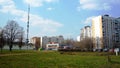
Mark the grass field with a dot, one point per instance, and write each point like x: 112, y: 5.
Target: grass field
x: 52, y: 59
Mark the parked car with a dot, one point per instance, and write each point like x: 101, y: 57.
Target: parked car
x: 105, y: 50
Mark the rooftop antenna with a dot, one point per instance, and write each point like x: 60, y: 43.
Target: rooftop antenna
x: 27, y: 40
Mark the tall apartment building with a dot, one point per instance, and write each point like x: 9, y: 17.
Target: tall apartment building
x: 85, y: 32
x: 106, y: 32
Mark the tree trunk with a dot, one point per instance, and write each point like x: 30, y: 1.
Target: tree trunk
x: 19, y: 48
x: 11, y: 47
x: 1, y: 49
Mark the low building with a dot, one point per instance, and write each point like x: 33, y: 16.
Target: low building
x: 44, y: 42
x: 36, y: 42
x: 47, y: 40
x: 52, y: 46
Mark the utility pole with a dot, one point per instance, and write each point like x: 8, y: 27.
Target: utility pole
x: 27, y: 40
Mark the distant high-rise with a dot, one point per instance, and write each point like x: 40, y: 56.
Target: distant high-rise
x: 106, y: 32
x: 85, y: 32
x: 78, y: 38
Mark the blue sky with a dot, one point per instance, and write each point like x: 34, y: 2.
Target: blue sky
x: 56, y: 17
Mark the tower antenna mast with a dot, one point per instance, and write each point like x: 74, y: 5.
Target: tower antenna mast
x: 27, y: 40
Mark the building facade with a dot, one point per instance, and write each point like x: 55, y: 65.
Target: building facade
x: 36, y: 41
x: 85, y: 32
x: 42, y: 42
x: 106, y: 32
x: 52, y: 46
x: 54, y: 39
x: 78, y: 38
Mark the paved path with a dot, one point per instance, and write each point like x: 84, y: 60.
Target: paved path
x: 15, y: 54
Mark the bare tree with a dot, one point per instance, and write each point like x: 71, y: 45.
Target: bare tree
x: 11, y: 32
x: 76, y: 44
x: 105, y: 45
x: 37, y: 43
x: 68, y: 42
x: 2, y: 40
x: 86, y: 44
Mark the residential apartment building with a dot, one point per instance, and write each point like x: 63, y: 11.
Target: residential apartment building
x: 36, y: 41
x: 48, y: 40
x: 41, y: 42
x: 85, y: 32
x: 78, y: 38
x: 106, y: 32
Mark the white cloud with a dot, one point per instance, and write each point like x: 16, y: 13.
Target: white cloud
x: 94, y: 5
x: 44, y: 25
x: 38, y: 3
x: 49, y: 9
x: 88, y: 20
x: 49, y: 1
x: 7, y: 5
x: 34, y: 3
x: 3, y: 2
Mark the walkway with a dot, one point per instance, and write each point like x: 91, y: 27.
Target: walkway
x: 15, y: 54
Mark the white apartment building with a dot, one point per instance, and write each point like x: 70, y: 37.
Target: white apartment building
x: 85, y: 32
x: 106, y: 32
x: 78, y: 38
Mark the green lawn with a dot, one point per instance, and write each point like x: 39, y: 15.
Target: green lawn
x: 52, y: 59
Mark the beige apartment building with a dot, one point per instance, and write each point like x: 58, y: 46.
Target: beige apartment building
x: 106, y: 32
x: 36, y: 41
